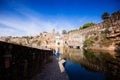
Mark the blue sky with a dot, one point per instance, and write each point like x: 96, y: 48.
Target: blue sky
x: 30, y: 17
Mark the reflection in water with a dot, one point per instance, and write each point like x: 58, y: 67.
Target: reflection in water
x: 89, y: 65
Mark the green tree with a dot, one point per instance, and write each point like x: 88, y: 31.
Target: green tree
x: 72, y: 30
x: 105, y: 16
x: 87, y: 25
x: 64, y: 32
x: 115, y: 16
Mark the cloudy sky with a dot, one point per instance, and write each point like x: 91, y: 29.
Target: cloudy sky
x: 30, y: 17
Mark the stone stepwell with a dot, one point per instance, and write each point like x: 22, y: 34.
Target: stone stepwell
x: 26, y: 63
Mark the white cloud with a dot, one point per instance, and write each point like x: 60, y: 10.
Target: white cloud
x: 34, y: 23
x: 9, y: 32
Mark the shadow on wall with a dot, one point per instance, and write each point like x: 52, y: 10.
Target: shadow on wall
x: 20, y: 62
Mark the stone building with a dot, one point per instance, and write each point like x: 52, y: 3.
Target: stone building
x: 75, y: 39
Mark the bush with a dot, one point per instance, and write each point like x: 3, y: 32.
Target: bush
x: 72, y: 30
x: 104, y: 41
x: 89, y: 54
x: 89, y: 42
x: 87, y: 25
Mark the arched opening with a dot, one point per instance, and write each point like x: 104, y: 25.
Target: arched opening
x: 70, y: 46
x: 77, y: 47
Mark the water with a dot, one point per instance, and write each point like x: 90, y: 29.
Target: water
x: 90, y: 65
x: 22, y: 63
x: 77, y: 72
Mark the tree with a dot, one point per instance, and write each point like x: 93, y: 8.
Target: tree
x: 115, y: 16
x: 73, y: 30
x: 105, y: 16
x: 87, y: 25
x: 118, y: 14
x: 64, y: 32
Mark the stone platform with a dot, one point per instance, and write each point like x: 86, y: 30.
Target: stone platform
x: 51, y: 71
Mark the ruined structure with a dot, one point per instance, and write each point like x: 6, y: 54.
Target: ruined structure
x: 75, y: 39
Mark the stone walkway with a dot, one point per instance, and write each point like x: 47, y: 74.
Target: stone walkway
x: 51, y: 71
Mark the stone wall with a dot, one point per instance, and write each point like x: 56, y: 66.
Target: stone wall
x: 42, y: 41
x: 76, y: 38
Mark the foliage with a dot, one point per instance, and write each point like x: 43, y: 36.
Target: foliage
x: 89, y: 42
x: 107, y: 25
x: 105, y: 16
x: 64, y: 32
x: 87, y: 25
x: 89, y: 54
x: 104, y: 41
x: 113, y: 17
x: 22, y: 44
x: 72, y: 30
x: 28, y: 37
x: 38, y: 43
x: 106, y: 31
x: 103, y: 37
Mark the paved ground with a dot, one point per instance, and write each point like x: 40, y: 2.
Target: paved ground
x: 51, y: 71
